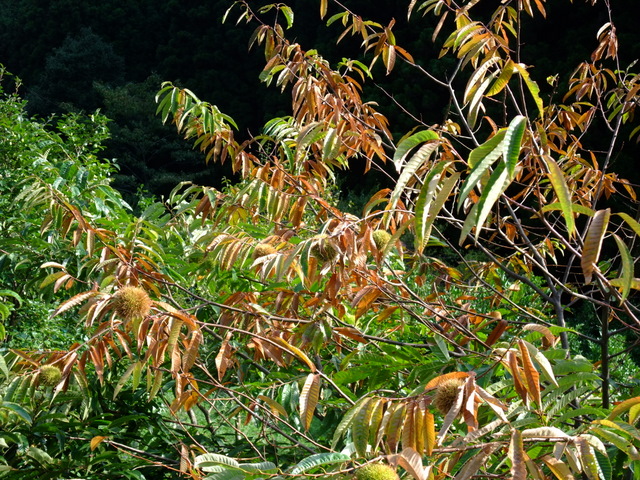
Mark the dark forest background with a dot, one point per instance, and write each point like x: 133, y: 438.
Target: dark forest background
x: 112, y: 56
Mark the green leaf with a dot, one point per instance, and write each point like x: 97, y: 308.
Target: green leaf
x: 480, y: 159
x: 513, y: 140
x: 209, y: 460
x: 428, y: 207
x: 317, y: 460
x: 346, y: 421
x: 631, y: 222
x: 627, y: 267
x: 531, y: 85
x: 18, y: 410
x: 556, y: 176
x: 288, y: 15
x: 412, y: 166
x: 497, y: 184
x: 575, y: 208
x: 39, y: 455
x: 409, y: 143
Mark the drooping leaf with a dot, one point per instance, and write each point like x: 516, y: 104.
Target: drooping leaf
x: 533, y: 87
x: 346, y: 421
x: 472, y: 466
x: 531, y: 375
x: 623, y: 407
x: 558, y: 468
x: 517, y: 456
x: 408, y: 171
x: 361, y: 425
x: 557, y: 178
x: 407, y: 144
x: 429, y: 204
x: 309, y: 396
x: 627, y: 267
x: 593, y: 243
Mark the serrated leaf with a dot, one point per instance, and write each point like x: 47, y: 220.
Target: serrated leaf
x: 430, y: 202
x: 557, y: 178
x: 534, y: 90
x: 517, y: 456
x: 209, y: 459
x: 346, y: 421
x: 470, y: 468
x: 309, y: 396
x: 287, y: 347
x: 409, y: 143
x: 551, y: 432
x: 531, y: 375
x: 123, y: 380
x: 360, y: 427
x: 558, y: 468
x: 417, y: 160
x: 318, y: 460
x: 593, y: 243
x: 623, y: 407
x: 635, y: 226
x: 18, y: 410
x: 277, y: 409
x: 627, y: 267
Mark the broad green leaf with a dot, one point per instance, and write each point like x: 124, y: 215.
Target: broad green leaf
x: 407, y: 144
x: 427, y: 213
x: 259, y: 467
x: 360, y: 427
x: 556, y: 176
x: 480, y: 159
x: 318, y: 460
x: 503, y: 79
x: 425, y: 197
x: 39, y: 455
x: 593, y: 243
x: 346, y: 421
x: 627, y: 267
x: 513, y: 139
x: 18, y: 410
x: 409, y: 170
x: 476, y: 101
x: 207, y: 460
x: 495, y: 187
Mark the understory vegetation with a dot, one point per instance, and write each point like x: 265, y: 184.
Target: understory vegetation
x: 477, y: 319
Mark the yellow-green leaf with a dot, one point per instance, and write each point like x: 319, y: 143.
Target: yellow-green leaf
x: 556, y: 176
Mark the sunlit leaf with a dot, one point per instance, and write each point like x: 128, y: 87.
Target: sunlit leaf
x: 557, y: 178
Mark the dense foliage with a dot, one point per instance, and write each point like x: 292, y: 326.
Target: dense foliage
x: 260, y: 331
